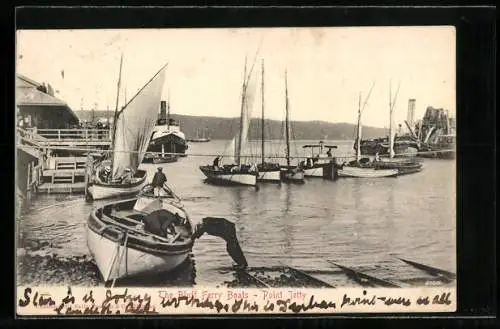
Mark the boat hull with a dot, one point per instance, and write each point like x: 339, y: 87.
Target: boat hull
x: 167, y: 159
x: 100, y: 191
x: 227, y: 178
x: 313, y: 172
x: 199, y: 140
x: 134, y: 263
x: 403, y: 167
x: 269, y: 176
x: 171, y: 142
x: 293, y: 176
x: 358, y: 172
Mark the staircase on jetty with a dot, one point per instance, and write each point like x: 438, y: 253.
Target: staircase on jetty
x: 61, y: 174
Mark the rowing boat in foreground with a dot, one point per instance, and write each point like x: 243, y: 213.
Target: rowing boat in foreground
x: 149, y: 235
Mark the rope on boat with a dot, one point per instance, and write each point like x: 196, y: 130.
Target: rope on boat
x: 121, y: 259
x: 347, y: 155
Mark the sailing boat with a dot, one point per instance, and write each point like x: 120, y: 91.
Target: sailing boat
x: 238, y: 173
x: 362, y: 168
x: 198, y: 139
x: 404, y: 165
x: 132, y: 130
x: 268, y: 172
x: 290, y: 173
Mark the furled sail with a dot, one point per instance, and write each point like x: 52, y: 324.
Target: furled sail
x: 135, y: 125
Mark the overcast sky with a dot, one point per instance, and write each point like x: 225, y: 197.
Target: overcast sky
x: 327, y: 68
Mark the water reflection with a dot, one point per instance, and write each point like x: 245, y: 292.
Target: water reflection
x: 288, y: 222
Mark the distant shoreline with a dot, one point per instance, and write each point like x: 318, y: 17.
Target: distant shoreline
x: 226, y: 128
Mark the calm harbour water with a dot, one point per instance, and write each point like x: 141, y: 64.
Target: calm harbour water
x: 362, y: 223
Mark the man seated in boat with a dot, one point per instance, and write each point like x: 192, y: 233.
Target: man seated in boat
x: 159, y: 179
x: 105, y: 173
x: 126, y: 177
x: 329, y: 153
x: 216, y: 163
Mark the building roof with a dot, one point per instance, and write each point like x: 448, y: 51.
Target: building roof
x: 28, y: 95
x: 32, y: 96
x: 23, y: 81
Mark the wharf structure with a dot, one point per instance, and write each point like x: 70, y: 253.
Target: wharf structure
x: 47, y: 130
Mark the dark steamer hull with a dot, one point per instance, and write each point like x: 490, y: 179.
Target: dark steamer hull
x: 171, y: 144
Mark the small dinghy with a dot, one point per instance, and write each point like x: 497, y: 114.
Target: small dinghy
x: 149, y: 235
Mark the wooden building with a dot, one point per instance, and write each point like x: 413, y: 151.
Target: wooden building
x: 38, y: 107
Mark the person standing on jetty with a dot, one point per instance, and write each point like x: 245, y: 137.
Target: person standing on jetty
x: 158, y: 180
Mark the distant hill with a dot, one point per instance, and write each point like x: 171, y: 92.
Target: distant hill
x: 226, y: 128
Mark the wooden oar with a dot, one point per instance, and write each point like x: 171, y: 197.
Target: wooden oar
x: 359, y: 276
x: 430, y: 270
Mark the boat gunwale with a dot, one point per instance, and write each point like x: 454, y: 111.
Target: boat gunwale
x: 121, y: 185
x: 208, y: 168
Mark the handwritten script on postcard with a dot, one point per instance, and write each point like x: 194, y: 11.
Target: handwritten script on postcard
x: 136, y: 301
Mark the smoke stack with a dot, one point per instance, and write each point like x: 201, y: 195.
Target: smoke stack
x: 163, y: 111
x: 411, y: 111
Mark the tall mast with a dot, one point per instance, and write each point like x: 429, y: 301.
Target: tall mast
x: 240, y: 134
x: 391, y: 151
x: 262, y: 125
x: 116, y: 107
x: 391, y: 110
x: 287, y: 124
x: 168, y: 110
x: 358, y: 137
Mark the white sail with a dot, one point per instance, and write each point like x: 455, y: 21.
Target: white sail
x: 248, y: 99
x: 135, y: 125
x: 247, y: 115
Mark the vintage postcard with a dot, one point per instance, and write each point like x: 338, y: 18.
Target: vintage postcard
x: 235, y: 171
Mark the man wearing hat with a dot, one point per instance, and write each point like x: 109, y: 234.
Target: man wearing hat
x: 158, y: 180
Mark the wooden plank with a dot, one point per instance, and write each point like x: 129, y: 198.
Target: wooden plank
x: 254, y: 279
x: 64, y: 172
x: 430, y: 270
x: 309, y: 277
x: 62, y: 188
x: 362, y: 278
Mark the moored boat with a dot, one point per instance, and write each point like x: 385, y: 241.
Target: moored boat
x: 363, y: 172
x: 319, y: 165
x: 363, y: 167
x: 237, y: 173
x: 267, y: 171
x: 132, y: 129
x: 230, y: 175
x: 165, y: 159
x: 289, y: 173
x: 198, y: 139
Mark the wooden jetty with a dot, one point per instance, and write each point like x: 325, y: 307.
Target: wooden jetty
x: 48, y: 173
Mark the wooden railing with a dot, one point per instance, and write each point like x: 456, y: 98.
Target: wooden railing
x: 72, y: 134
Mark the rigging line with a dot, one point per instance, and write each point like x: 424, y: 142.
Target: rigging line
x: 367, y: 97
